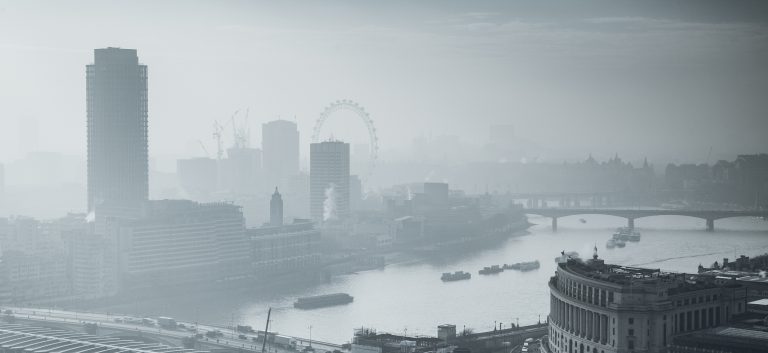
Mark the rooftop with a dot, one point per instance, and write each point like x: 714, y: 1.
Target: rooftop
x: 39, y: 339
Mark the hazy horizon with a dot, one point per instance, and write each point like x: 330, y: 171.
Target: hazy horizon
x: 637, y: 79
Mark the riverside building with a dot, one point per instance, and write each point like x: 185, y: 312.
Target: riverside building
x: 601, y: 308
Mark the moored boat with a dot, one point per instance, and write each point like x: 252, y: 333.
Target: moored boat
x: 456, y: 276
x: 490, y: 270
x: 320, y: 301
x: 523, y: 266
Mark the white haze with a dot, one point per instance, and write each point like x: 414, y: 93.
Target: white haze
x: 634, y: 78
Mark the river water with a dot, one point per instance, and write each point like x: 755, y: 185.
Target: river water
x: 410, y: 297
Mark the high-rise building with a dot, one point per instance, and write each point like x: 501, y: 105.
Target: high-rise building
x: 280, y: 144
x: 329, y: 180
x: 355, y: 192
x: 276, y: 210
x: 597, y: 307
x: 116, y: 88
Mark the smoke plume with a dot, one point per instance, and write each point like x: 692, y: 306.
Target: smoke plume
x: 329, y: 205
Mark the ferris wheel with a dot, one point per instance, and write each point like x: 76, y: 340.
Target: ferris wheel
x: 354, y: 107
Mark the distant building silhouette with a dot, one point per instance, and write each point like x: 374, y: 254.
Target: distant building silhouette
x: 116, y: 89
x: 276, y: 210
x: 280, y: 143
x: 329, y: 179
x: 241, y: 170
x: 198, y: 176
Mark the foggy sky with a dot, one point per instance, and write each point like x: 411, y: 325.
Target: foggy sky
x: 667, y: 80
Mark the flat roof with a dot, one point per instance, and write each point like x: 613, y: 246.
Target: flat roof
x: 42, y: 339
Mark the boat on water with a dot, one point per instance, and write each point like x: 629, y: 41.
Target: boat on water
x: 634, y: 236
x: 565, y: 255
x: 456, y: 276
x: 582, y: 220
x: 610, y: 244
x: 621, y: 243
x: 320, y: 301
x: 491, y: 270
x: 523, y: 266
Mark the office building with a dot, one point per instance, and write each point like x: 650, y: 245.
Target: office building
x: 276, y: 210
x: 284, y: 249
x: 181, y: 241
x: 601, y: 308
x: 280, y: 143
x: 355, y: 193
x: 329, y: 180
x: 116, y: 88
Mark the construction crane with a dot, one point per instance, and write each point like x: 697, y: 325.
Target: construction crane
x: 266, y: 331
x: 241, y: 132
x: 202, y: 145
x: 217, y: 130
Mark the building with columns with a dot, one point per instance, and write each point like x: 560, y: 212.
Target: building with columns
x: 601, y: 308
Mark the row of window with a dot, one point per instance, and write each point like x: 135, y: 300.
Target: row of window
x: 582, y: 292
x: 696, y: 300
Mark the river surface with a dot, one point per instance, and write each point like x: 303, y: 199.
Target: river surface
x: 410, y: 297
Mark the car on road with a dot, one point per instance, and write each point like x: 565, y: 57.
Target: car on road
x: 242, y: 337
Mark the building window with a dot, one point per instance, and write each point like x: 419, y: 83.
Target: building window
x: 714, y: 296
x: 631, y: 344
x: 631, y: 332
x: 686, y: 301
x: 631, y: 320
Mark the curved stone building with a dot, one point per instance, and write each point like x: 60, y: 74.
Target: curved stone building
x: 601, y: 308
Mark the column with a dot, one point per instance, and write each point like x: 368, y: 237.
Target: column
x: 596, y: 336
x: 710, y: 225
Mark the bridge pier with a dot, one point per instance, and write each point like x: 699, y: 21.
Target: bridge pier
x: 631, y: 223
x: 710, y: 225
x: 554, y: 224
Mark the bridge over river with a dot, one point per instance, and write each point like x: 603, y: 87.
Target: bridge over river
x: 631, y: 214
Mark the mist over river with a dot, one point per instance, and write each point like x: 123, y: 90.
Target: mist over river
x: 411, y: 297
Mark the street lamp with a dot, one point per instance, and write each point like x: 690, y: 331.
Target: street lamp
x: 310, y: 336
